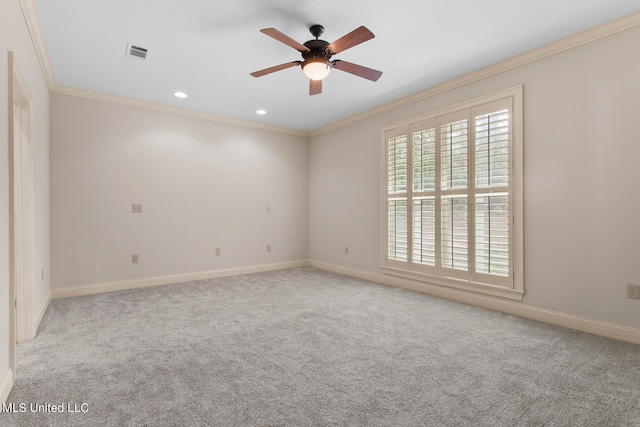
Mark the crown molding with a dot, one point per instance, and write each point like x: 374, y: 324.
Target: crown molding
x: 562, y: 45
x: 122, y: 100
x: 627, y: 22
x: 30, y: 14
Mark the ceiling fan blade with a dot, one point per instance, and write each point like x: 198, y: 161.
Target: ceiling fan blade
x: 276, y: 68
x: 354, y: 38
x: 315, y: 87
x: 272, y: 32
x: 358, y: 70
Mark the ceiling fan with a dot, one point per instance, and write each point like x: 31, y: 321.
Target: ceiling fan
x: 317, y: 56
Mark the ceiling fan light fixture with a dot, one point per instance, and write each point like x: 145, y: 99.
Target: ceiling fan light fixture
x: 317, y: 55
x: 316, y: 68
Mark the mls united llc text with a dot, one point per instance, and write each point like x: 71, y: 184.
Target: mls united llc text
x: 45, y: 407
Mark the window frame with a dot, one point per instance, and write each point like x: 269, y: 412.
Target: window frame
x: 513, y: 288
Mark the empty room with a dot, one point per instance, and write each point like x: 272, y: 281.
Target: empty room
x: 286, y: 213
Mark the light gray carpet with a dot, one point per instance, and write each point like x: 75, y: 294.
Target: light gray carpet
x: 304, y: 347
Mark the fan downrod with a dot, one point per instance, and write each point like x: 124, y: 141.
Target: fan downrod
x: 316, y: 30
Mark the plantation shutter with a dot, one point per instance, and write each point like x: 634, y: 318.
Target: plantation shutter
x: 424, y: 145
x: 454, y: 197
x: 450, y: 214
x: 397, y: 195
x: 492, y: 171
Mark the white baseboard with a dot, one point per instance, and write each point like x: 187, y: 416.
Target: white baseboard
x: 168, y: 280
x: 596, y: 327
x: 583, y: 324
x: 6, y: 385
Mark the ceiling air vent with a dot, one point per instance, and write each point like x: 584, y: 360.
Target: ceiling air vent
x: 136, y: 52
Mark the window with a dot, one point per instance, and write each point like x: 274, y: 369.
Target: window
x: 452, y: 192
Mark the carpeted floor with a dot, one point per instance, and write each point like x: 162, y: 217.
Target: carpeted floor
x: 304, y: 347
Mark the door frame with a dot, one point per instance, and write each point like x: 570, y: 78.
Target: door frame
x: 21, y: 216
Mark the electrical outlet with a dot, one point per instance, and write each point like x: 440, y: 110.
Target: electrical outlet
x: 346, y: 250
x: 136, y: 208
x: 633, y: 291
x: 134, y: 259
x: 268, y: 248
x: 217, y: 251
x: 269, y: 209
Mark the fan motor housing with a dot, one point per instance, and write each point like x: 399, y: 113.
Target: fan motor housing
x: 317, y: 49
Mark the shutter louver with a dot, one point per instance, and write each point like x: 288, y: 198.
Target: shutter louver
x: 424, y: 160
x: 454, y: 232
x: 398, y: 232
x: 397, y: 165
x: 424, y: 230
x: 492, y: 234
x: 492, y: 150
x: 454, y: 149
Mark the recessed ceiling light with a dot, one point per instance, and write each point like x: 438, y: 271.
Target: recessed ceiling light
x: 261, y: 112
x: 180, y: 94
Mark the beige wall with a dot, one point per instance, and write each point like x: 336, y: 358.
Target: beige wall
x: 14, y: 37
x: 582, y: 182
x: 202, y: 185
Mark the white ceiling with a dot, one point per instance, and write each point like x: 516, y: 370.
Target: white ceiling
x: 207, y: 48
